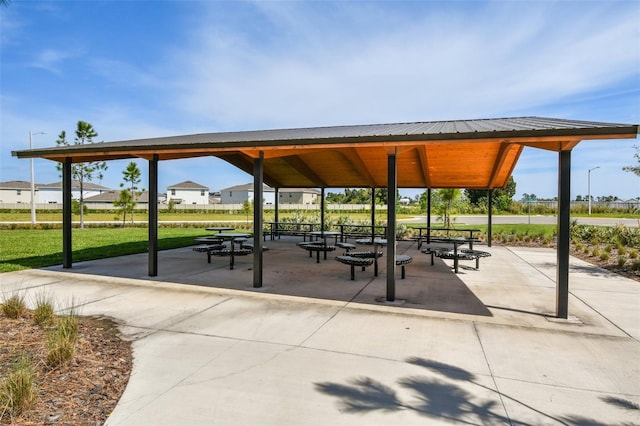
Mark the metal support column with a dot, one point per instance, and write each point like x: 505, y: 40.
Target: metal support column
x: 258, y: 189
x: 392, y: 188
x: 428, y: 215
x: 489, y: 216
x: 67, y: 257
x: 276, y: 204
x: 564, y: 217
x: 153, y: 216
x: 373, y: 214
x: 322, y: 209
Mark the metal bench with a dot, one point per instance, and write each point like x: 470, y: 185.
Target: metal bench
x: 353, y: 262
x: 208, y: 248
x: 347, y: 246
x: 318, y: 248
x: 232, y: 253
x: 402, y: 260
x: 477, y: 254
x: 433, y: 251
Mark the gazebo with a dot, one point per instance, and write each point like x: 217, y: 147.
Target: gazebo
x: 479, y: 154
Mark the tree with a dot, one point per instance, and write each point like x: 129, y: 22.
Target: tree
x: 83, y: 171
x: 634, y: 169
x: 131, y: 177
x: 448, y: 196
x: 125, y: 204
x: 501, y: 197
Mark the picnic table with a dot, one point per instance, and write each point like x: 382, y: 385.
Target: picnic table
x: 428, y: 230
x: 232, y: 252
x: 219, y: 229
x: 377, y: 243
x: 456, y: 242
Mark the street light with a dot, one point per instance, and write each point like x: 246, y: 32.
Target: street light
x: 33, y: 185
x: 589, y: 187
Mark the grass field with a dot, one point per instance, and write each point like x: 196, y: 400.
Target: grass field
x: 34, y: 248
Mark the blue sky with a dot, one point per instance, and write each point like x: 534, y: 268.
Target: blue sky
x: 137, y: 69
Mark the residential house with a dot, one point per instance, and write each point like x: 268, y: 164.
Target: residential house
x: 188, y: 192
x: 298, y: 196
x: 52, y: 193
x: 240, y: 193
x: 16, y: 192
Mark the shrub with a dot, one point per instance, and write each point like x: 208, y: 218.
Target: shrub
x: 635, y: 265
x: 622, y: 260
x: 44, y: 312
x: 633, y: 254
x: 604, y: 256
x: 18, y: 389
x: 13, y: 306
x: 608, y: 249
x: 595, y: 252
x: 622, y: 250
x: 61, y: 341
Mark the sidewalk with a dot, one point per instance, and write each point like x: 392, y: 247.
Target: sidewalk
x: 313, y: 347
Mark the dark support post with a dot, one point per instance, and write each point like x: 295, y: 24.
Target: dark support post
x: 392, y: 188
x: 564, y: 216
x: 276, y: 204
x: 428, y: 215
x: 489, y: 216
x: 373, y: 214
x: 67, y: 258
x: 153, y: 216
x: 258, y: 183
x: 322, y: 209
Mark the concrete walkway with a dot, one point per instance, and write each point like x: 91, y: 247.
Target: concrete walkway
x: 315, y: 348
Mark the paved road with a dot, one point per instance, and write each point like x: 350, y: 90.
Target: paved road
x: 536, y: 220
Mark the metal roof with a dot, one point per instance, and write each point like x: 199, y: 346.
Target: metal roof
x: 438, y: 154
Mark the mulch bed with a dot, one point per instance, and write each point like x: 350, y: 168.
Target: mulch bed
x: 83, y: 392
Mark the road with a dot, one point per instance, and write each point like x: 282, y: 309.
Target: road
x: 534, y: 219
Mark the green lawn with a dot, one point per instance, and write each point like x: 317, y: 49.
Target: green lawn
x: 33, y: 248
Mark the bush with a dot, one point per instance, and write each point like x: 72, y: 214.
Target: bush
x: 44, y: 313
x: 61, y: 341
x: 604, y: 256
x: 622, y: 260
x: 13, y: 307
x: 18, y: 389
x: 635, y: 265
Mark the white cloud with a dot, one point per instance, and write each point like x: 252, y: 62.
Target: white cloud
x: 431, y: 67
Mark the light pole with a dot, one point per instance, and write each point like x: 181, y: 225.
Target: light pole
x: 589, y: 187
x: 33, y: 185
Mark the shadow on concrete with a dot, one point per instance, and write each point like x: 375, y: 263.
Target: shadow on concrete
x: 446, y: 392
x: 288, y: 270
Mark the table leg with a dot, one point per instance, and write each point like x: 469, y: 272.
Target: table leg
x: 231, y: 259
x: 455, y: 257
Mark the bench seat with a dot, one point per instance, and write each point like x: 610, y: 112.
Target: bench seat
x: 208, y: 248
x: 318, y: 248
x: 353, y: 262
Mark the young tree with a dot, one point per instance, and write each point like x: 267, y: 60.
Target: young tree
x: 634, y: 169
x: 125, y: 204
x: 448, y: 196
x: 83, y: 171
x: 131, y: 177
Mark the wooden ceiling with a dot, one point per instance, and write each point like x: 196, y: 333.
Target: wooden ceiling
x: 478, y: 154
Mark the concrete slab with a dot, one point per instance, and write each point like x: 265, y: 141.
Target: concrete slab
x: 314, y: 347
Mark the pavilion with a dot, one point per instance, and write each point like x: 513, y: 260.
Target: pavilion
x: 479, y: 154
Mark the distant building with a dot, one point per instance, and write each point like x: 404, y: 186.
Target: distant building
x: 240, y: 193
x: 110, y: 196
x: 188, y: 192
x: 298, y: 196
x: 52, y: 193
x: 16, y: 192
